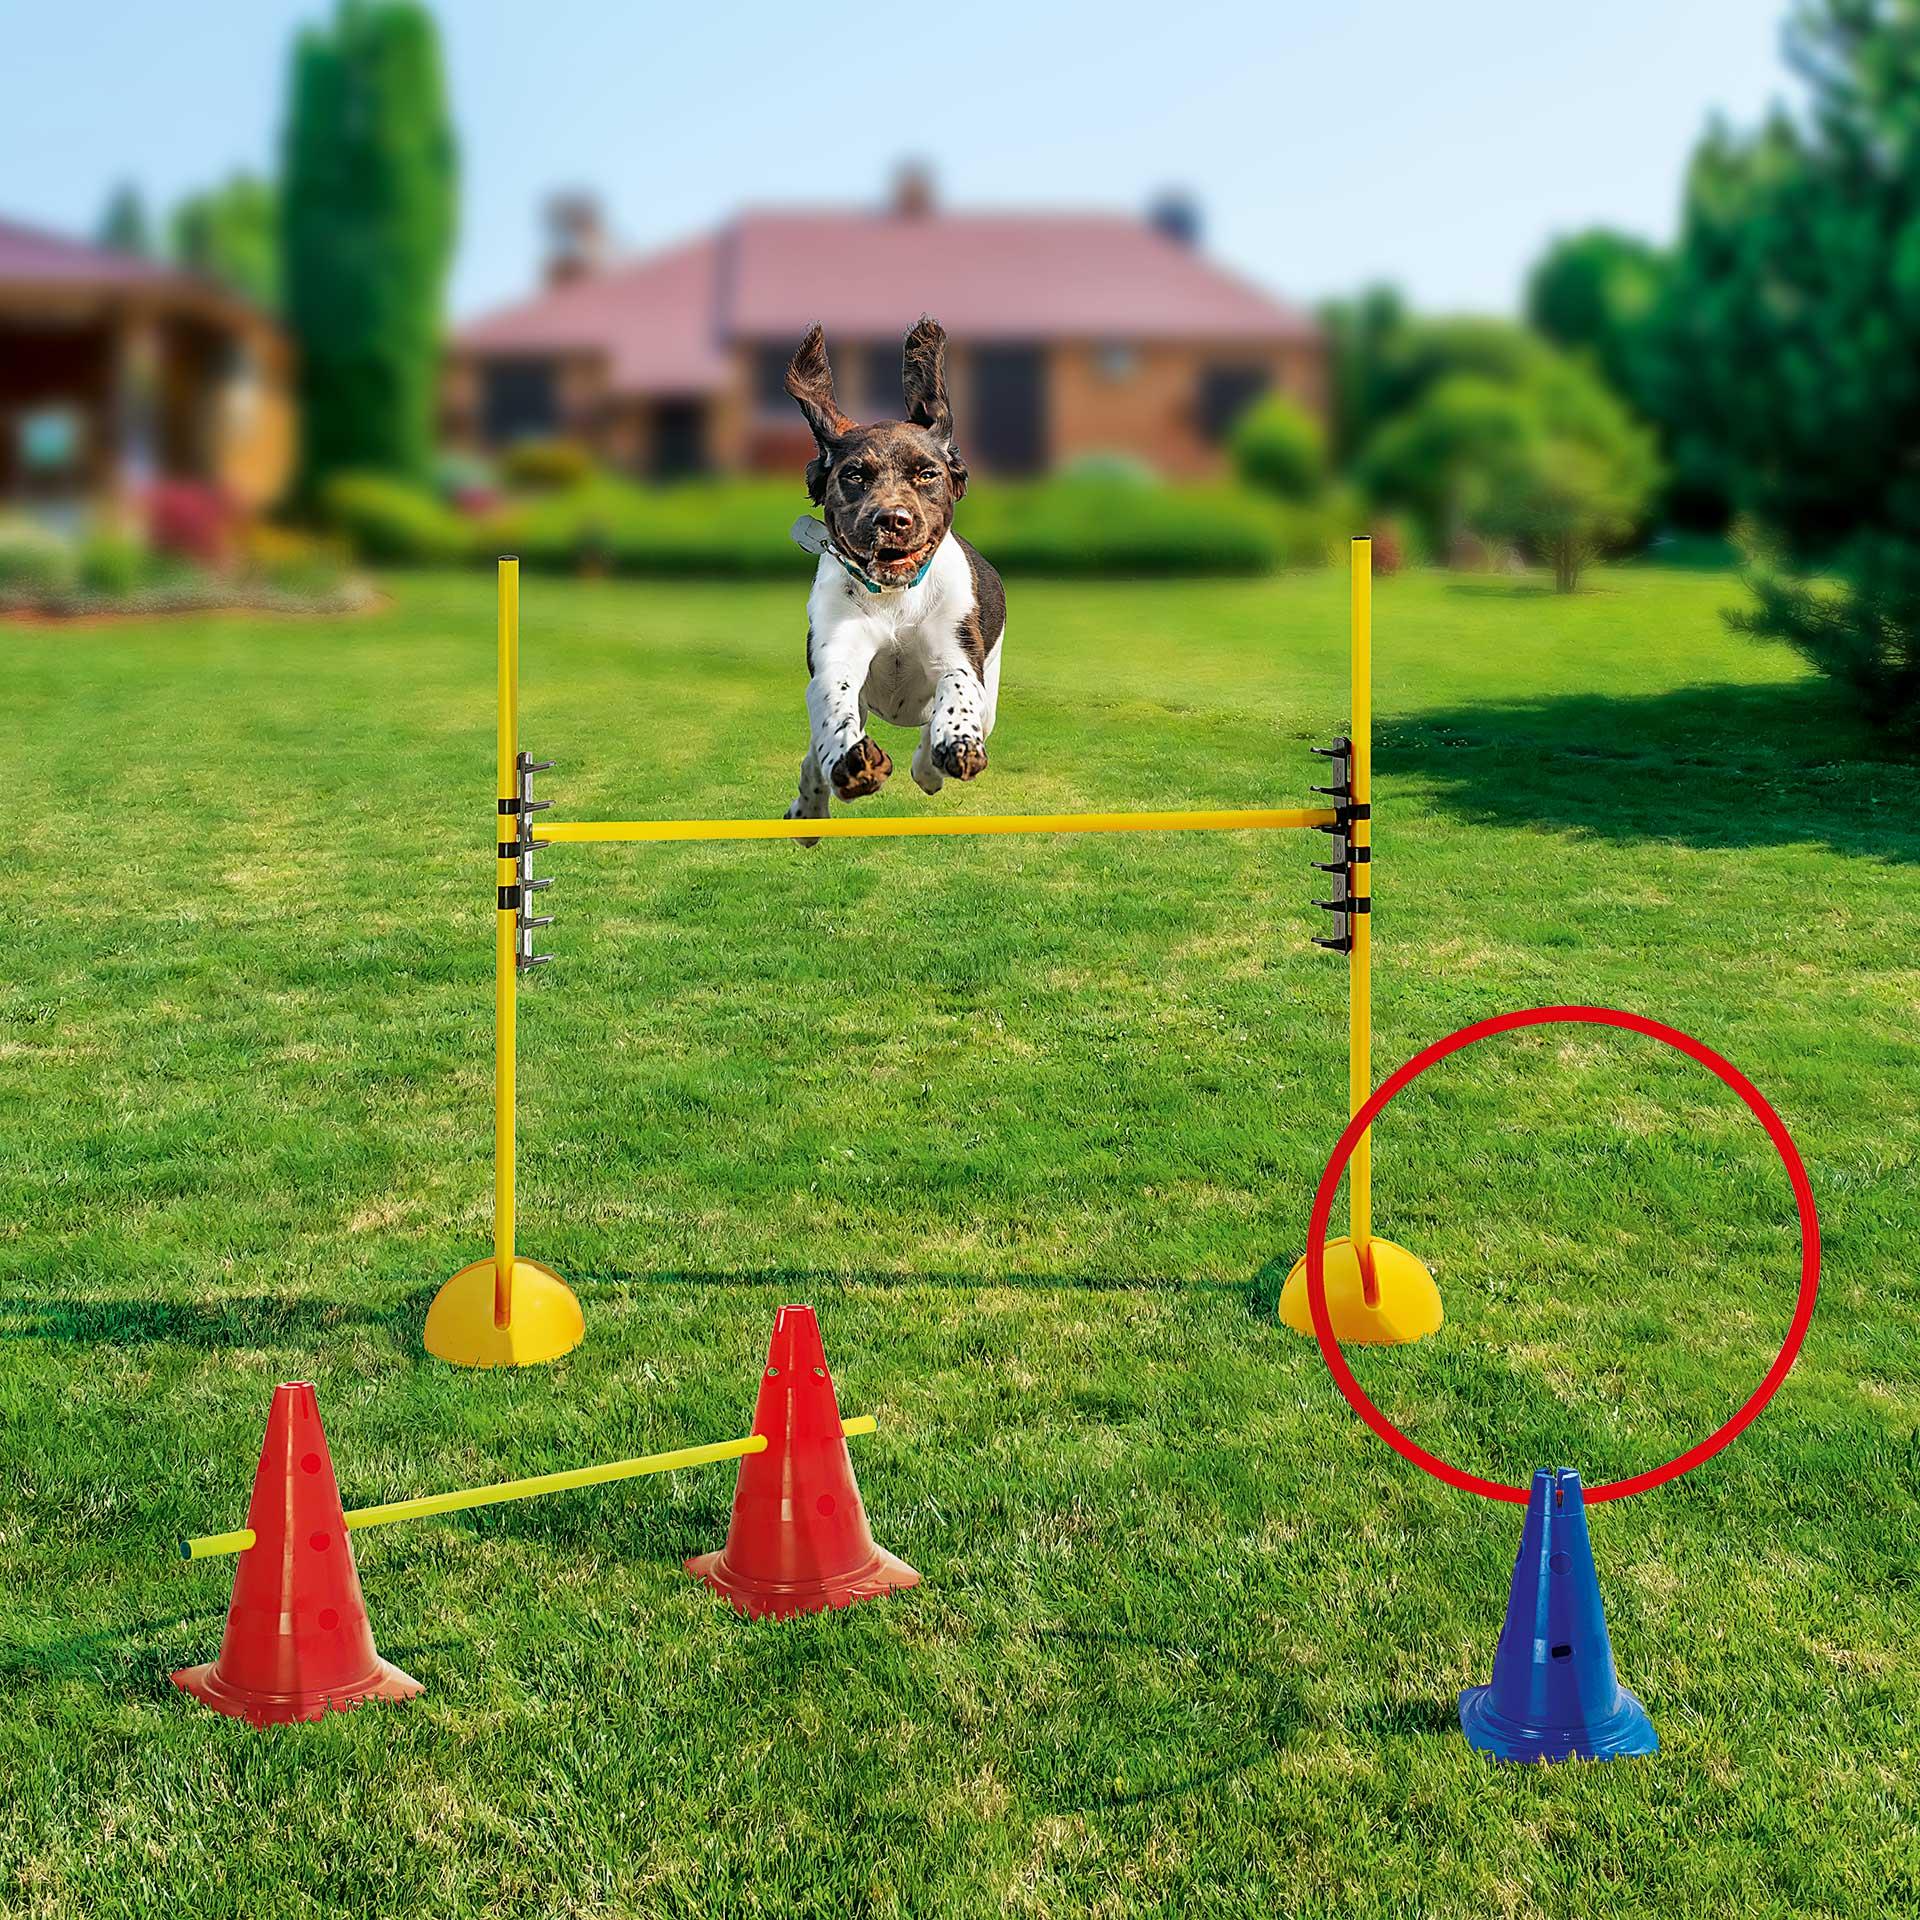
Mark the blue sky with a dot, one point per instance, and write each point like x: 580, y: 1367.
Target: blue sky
x: 1434, y: 145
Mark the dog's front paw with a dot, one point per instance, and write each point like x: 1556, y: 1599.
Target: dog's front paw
x: 960, y: 758
x: 863, y: 769
x: 801, y: 811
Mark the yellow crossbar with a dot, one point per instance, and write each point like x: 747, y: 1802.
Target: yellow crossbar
x: 211, y: 1545
x: 1192, y: 821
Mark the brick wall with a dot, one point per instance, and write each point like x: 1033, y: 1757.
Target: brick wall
x: 1146, y: 400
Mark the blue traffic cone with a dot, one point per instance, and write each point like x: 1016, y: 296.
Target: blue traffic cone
x: 1554, y: 1692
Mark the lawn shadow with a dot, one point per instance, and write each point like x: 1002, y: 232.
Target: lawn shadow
x: 1232, y: 1751
x: 1716, y: 766
x: 1263, y: 1292
x: 1413, y: 1714
x: 798, y: 1281
x: 259, y: 1322
x: 131, y: 1659
x: 252, y: 1320
x: 1497, y: 587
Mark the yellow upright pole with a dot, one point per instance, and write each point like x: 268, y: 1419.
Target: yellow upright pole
x: 505, y: 1311
x: 1377, y: 1293
x: 506, y: 935
x: 1360, y: 919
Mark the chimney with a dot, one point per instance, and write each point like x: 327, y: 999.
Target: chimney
x: 576, y: 238
x: 912, y: 190
x: 1176, y: 213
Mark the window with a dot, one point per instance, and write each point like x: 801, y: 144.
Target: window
x: 1225, y: 394
x: 50, y: 439
x: 519, y: 400
x: 1007, y: 430
x: 679, y: 439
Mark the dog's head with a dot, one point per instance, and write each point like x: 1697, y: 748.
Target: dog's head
x: 889, y: 489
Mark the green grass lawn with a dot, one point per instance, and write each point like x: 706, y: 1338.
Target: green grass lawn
x: 1034, y: 1125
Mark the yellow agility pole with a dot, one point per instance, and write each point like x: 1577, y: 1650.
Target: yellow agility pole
x: 1360, y: 914
x: 1377, y: 1293
x: 210, y: 1546
x: 506, y: 1311
x: 506, y: 938
x: 1216, y: 820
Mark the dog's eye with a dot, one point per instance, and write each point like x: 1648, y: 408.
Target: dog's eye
x: 853, y: 479
x: 927, y: 476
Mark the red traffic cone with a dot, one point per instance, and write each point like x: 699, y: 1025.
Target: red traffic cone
x: 798, y: 1541
x: 297, y: 1642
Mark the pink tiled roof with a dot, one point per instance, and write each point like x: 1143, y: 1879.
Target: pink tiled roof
x: 656, y: 319
x: 665, y: 321
x: 27, y: 254
x: 988, y: 276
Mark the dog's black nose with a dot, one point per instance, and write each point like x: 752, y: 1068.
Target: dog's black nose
x: 896, y: 520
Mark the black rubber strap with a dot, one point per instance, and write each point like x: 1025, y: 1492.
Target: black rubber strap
x: 508, y: 850
x: 1358, y: 903
x: 509, y: 899
x: 1359, y: 856
x: 1354, y: 810
x: 507, y: 806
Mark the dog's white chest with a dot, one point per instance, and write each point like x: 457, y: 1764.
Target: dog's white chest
x: 905, y: 640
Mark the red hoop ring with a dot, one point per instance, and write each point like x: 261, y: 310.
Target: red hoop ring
x: 1397, y: 1082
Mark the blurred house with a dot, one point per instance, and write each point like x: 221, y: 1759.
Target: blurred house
x: 116, y: 371
x: 1073, y: 334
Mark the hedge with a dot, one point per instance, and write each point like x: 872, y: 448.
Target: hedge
x: 1078, y: 525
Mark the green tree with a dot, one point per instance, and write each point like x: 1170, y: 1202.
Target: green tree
x: 1553, y: 461
x: 231, y: 233
x: 1438, y: 461
x: 1363, y: 336
x: 1596, y: 292
x: 123, y: 222
x: 1789, y: 347
x: 1281, y: 449
x: 1385, y: 361
x: 1581, y: 485
x: 367, y: 224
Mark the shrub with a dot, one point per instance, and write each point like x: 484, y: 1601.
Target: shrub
x: 191, y: 519
x: 1281, y: 449
x: 32, y: 560
x: 1389, y: 547
x: 391, y: 522
x: 547, y: 466
x: 1580, y: 487
x: 1097, y: 525
x: 293, y: 562
x: 1441, y: 459
x: 1118, y: 469
x: 1555, y: 462
x: 113, y: 565
x: 1859, y: 625
x: 466, y: 482
x: 1100, y: 527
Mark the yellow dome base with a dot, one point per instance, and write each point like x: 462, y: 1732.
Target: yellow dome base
x: 1408, y: 1307
x: 547, y: 1321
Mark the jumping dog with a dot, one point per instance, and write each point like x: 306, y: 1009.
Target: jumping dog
x: 905, y: 618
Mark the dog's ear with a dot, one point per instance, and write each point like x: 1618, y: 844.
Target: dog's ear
x: 923, y: 383
x: 810, y: 381
x: 923, y: 379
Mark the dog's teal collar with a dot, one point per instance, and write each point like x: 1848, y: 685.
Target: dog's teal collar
x: 811, y: 536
